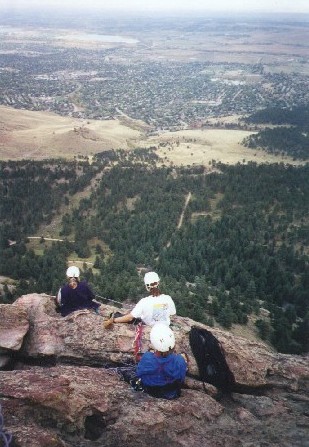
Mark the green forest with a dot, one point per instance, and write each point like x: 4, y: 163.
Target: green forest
x: 242, y: 245
x: 289, y: 134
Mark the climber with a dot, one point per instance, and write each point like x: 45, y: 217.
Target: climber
x: 152, y: 309
x: 76, y: 294
x: 162, y: 372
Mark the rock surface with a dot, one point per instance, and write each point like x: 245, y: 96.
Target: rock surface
x: 62, y: 387
x: 13, y: 328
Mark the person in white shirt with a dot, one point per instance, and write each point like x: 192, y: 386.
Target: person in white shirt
x: 155, y: 308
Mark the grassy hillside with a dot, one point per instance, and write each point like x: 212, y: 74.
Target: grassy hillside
x: 42, y: 135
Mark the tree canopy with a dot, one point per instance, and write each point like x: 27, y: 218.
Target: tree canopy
x: 242, y: 242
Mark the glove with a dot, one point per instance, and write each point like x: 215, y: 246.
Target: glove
x: 108, y: 323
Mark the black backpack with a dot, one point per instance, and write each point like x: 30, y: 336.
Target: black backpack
x: 210, y: 359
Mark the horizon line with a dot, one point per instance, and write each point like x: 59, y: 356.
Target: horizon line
x: 152, y: 9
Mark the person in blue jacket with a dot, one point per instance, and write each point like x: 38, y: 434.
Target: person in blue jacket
x: 76, y: 294
x: 162, y: 372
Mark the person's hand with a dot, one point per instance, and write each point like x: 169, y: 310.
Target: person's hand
x: 108, y: 323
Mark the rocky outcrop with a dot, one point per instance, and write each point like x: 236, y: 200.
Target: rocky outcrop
x: 14, y: 325
x: 63, y: 387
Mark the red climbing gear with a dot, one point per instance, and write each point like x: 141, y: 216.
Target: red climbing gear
x: 137, y: 343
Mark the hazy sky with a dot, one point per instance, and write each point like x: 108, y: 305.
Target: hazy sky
x: 301, y: 6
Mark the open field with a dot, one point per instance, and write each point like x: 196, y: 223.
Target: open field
x: 41, y: 135
x: 188, y: 147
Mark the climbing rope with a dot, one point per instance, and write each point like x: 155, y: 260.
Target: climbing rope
x: 105, y: 300
x: 137, y: 343
x: 6, y: 437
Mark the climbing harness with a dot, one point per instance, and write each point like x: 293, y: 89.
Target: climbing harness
x: 6, y: 437
x: 137, y: 343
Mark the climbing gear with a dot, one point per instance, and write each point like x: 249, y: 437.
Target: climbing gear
x: 137, y: 343
x: 151, y: 280
x: 210, y: 359
x: 128, y: 374
x: 136, y: 384
x: 162, y: 337
x: 73, y: 272
x: 6, y: 437
x: 109, y: 301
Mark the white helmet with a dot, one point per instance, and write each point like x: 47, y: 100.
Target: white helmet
x: 162, y: 337
x: 73, y: 272
x: 151, y: 278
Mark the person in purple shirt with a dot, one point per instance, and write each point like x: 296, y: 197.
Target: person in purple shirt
x: 76, y: 294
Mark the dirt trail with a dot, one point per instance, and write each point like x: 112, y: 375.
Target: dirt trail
x: 47, y: 238
x: 179, y: 225
x: 188, y: 198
